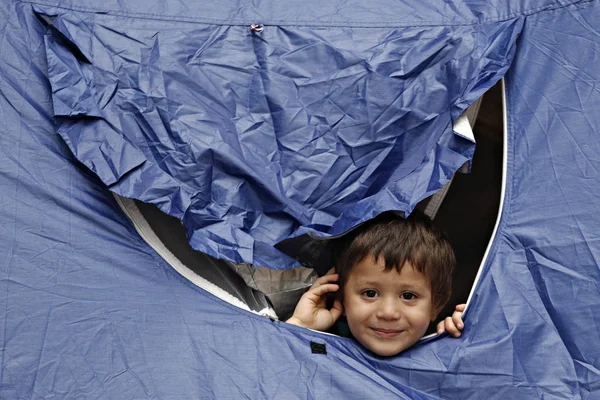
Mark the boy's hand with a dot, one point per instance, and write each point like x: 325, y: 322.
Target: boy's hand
x: 453, y: 325
x: 311, y: 311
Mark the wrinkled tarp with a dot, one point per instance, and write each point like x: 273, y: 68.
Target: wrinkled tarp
x: 89, y: 310
x: 255, y: 137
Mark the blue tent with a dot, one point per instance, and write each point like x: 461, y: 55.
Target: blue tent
x: 258, y: 122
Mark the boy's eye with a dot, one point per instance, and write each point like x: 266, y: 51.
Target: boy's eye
x: 370, y: 293
x: 409, y: 296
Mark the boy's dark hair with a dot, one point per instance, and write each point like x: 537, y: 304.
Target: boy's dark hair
x: 414, y: 239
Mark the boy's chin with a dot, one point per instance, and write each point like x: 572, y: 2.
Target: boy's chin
x: 386, y: 348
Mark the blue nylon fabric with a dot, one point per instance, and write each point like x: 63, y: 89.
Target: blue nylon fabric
x: 253, y: 138
x: 89, y: 310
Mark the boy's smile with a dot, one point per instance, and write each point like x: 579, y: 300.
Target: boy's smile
x: 387, y: 311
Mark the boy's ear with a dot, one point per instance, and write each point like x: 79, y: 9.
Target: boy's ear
x: 339, y: 297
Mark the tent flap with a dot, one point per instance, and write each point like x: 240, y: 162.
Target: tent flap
x: 255, y: 137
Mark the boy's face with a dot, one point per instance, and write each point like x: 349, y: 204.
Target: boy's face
x: 387, y: 311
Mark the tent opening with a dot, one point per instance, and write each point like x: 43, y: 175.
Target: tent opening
x: 466, y: 209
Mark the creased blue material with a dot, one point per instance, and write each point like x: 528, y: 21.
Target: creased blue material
x: 88, y: 309
x: 255, y: 137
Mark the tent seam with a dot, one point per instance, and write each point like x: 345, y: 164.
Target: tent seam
x: 364, y: 25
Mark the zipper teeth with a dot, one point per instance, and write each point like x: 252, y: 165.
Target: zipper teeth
x: 146, y: 233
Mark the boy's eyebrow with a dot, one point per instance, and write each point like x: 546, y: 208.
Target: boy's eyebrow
x: 409, y: 286
x: 417, y: 288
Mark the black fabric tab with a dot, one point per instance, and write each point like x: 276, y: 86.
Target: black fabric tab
x: 318, y: 348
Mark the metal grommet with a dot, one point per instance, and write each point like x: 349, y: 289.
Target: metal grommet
x: 257, y: 28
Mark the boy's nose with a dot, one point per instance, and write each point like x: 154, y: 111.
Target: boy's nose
x: 388, y: 310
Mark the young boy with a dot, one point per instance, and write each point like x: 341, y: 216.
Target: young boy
x: 394, y: 276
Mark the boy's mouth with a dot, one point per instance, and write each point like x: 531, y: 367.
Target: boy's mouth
x: 387, y: 333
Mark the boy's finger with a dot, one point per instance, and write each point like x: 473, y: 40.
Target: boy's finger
x: 440, y: 327
x: 450, y: 327
x: 325, y: 279
x: 336, y: 310
x: 319, y: 291
x: 457, y: 319
x: 461, y: 307
x: 331, y: 271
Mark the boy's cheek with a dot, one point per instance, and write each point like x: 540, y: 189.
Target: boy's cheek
x: 435, y: 312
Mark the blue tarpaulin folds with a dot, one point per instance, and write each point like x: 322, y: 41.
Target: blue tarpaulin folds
x: 332, y: 114
x: 255, y: 137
